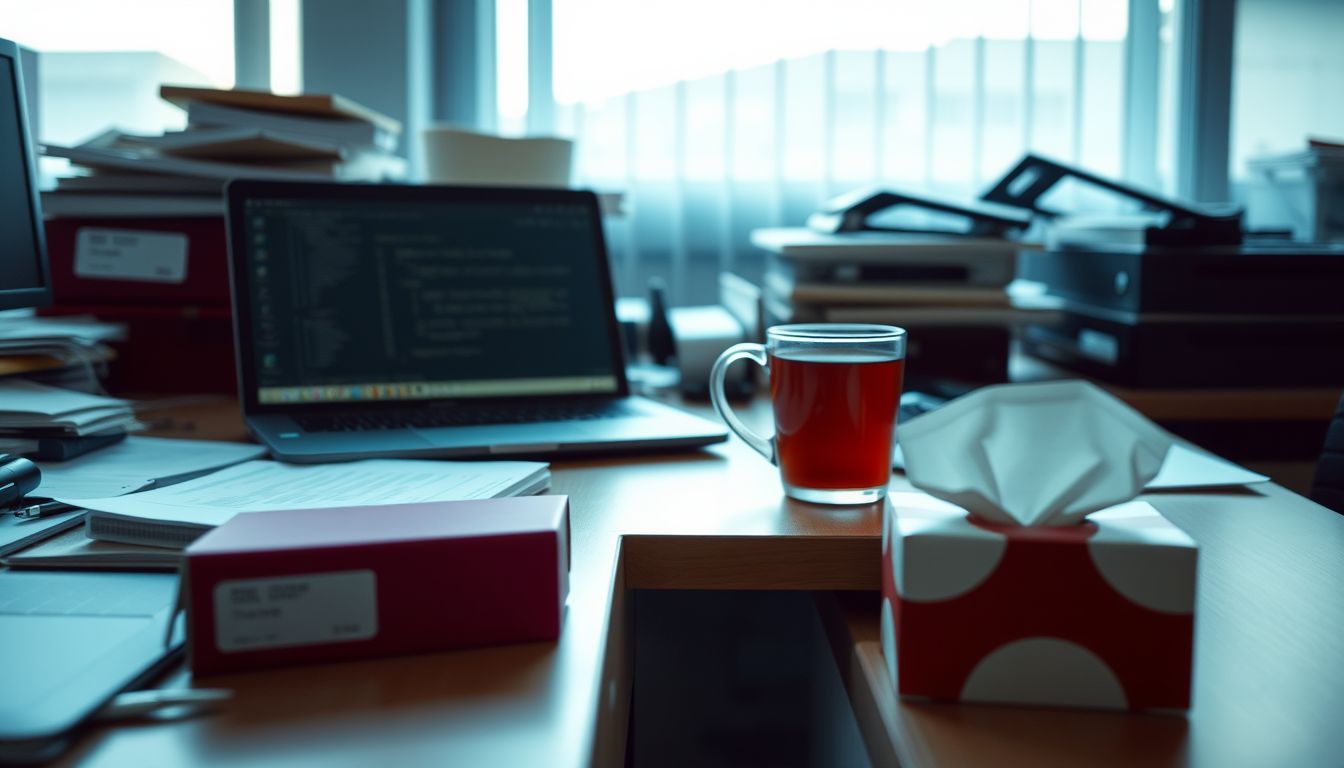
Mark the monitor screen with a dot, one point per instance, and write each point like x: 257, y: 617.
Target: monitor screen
x: 23, y: 274
x: 418, y: 299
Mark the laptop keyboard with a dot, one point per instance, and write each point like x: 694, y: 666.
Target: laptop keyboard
x: 463, y: 416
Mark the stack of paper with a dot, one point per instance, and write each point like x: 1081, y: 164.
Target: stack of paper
x: 74, y: 550
x: 177, y: 515
x: 62, y: 351
x: 139, y: 463
x: 131, y: 465
x: 231, y: 133
x: 29, y: 409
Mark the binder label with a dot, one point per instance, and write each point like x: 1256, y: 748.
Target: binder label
x: 289, y: 611
x: 124, y: 254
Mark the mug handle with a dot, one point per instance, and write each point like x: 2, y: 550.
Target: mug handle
x: 755, y: 352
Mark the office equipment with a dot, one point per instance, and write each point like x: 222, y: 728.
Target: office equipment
x: 432, y: 321
x: 935, y: 267
x: 1174, y: 294
x: 925, y: 215
x: 23, y: 260
x: 1298, y: 192
x: 69, y: 642
x: 176, y: 515
x: 315, y: 585
x: 1192, y: 349
x: 139, y: 463
x: 18, y: 478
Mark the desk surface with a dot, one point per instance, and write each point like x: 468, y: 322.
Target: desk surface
x: 1269, y: 664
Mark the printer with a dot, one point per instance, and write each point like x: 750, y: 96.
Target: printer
x: 1171, y: 294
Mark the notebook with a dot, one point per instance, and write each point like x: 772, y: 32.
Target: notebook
x: 423, y: 321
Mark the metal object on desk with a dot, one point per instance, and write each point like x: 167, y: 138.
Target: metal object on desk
x: 18, y: 478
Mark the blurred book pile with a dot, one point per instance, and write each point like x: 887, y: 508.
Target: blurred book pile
x: 136, y: 237
x: 70, y: 352
x: 229, y: 134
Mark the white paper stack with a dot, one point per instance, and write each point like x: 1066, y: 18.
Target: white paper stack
x: 29, y: 409
x: 175, y: 516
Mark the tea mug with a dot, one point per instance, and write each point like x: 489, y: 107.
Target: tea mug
x: 835, y: 389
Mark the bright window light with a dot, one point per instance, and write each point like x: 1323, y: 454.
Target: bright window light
x: 605, y: 48
x: 511, y: 62
x: 197, y: 33
x: 286, y: 47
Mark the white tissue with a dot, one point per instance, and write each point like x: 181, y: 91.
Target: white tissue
x: 1033, y: 454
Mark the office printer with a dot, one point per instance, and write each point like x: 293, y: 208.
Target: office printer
x: 1171, y: 294
x: 935, y: 267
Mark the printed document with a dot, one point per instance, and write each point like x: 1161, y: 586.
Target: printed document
x: 258, y: 486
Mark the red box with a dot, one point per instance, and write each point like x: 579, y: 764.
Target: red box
x: 315, y: 585
x: 1099, y: 614
x: 135, y: 269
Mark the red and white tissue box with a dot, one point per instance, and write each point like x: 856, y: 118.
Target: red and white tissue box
x: 1099, y: 614
x: 314, y: 585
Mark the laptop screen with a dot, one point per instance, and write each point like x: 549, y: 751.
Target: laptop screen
x: 369, y: 297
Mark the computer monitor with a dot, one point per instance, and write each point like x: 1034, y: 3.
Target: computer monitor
x: 24, y: 277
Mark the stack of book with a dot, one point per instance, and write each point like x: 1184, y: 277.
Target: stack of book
x: 137, y: 237
x: 950, y: 292
x: 229, y: 134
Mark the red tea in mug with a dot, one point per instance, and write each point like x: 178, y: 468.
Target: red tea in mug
x: 834, y: 412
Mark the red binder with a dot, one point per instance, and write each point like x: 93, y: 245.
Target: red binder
x: 155, y: 260
x: 298, y: 586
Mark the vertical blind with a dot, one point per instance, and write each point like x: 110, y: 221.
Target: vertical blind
x: 739, y: 144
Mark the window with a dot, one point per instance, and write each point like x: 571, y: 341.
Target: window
x: 716, y: 117
x: 1288, y: 72
x: 106, y: 69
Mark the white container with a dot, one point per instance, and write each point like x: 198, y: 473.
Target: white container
x: 1302, y: 192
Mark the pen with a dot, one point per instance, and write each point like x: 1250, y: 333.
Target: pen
x: 42, y: 510
x: 141, y: 703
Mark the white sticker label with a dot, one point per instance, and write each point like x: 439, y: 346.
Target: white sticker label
x: 310, y: 609
x: 121, y: 254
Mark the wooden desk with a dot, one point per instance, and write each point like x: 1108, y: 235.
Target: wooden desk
x: 1269, y: 668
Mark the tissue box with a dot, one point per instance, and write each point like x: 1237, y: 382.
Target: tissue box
x: 311, y: 585
x: 1099, y: 614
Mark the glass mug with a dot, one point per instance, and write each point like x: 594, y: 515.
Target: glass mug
x: 834, y: 389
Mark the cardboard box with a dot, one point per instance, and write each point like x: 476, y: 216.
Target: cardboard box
x: 297, y: 586
x: 1095, y: 615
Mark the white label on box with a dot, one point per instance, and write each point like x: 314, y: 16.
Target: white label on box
x: 288, y: 611
x: 123, y: 254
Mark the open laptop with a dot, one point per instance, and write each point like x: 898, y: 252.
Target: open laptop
x: 69, y: 642
x: 419, y: 321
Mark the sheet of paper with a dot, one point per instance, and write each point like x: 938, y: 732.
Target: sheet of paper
x: 1189, y: 468
x: 19, y: 396
x: 257, y: 486
x: 1184, y: 467
x: 137, y: 462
